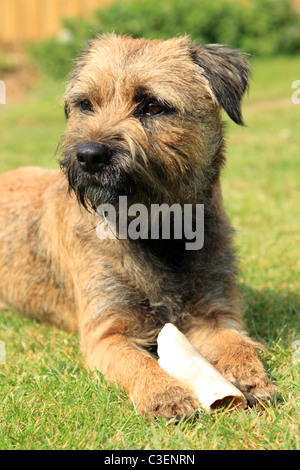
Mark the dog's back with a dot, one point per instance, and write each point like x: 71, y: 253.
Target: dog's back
x: 28, y: 213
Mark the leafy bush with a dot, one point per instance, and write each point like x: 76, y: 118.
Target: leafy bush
x: 262, y: 27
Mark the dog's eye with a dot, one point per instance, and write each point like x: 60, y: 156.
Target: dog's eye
x: 152, y: 109
x: 86, y: 107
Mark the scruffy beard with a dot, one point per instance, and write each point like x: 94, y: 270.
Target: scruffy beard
x: 122, y: 177
x: 136, y: 175
x: 95, y: 192
x: 100, y: 188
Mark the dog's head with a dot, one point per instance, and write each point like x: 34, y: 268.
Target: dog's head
x: 144, y: 118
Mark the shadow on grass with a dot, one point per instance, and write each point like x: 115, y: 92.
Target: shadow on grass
x: 271, y: 315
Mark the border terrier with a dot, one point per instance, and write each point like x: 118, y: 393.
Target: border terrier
x: 144, y: 121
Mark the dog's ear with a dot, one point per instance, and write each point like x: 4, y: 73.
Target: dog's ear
x: 227, y: 72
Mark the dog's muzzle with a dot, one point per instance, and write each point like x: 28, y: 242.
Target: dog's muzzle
x: 92, y: 156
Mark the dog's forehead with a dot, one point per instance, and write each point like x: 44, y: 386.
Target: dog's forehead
x: 160, y: 66
x: 116, y: 51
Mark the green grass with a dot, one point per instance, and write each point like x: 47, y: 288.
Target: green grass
x: 47, y: 398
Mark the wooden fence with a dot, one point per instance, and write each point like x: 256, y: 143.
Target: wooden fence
x: 24, y: 20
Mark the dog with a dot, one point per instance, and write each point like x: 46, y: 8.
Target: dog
x: 145, y: 123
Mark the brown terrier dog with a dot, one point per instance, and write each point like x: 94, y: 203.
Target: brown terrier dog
x: 144, y: 122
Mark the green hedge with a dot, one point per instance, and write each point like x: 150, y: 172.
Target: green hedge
x: 263, y: 28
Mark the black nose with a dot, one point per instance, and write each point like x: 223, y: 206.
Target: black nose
x: 92, y: 156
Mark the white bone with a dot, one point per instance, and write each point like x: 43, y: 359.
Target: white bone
x: 179, y: 358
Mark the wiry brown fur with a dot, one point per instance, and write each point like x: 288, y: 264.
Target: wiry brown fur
x: 119, y: 293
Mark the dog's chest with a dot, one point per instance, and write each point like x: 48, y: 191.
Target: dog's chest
x: 165, y: 297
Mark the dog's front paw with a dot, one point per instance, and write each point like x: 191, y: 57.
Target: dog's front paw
x: 255, y: 385
x: 258, y: 390
x: 240, y: 364
x: 169, y: 400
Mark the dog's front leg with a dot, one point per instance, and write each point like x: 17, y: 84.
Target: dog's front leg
x: 109, y: 349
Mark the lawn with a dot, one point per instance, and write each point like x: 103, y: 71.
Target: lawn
x: 49, y: 401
